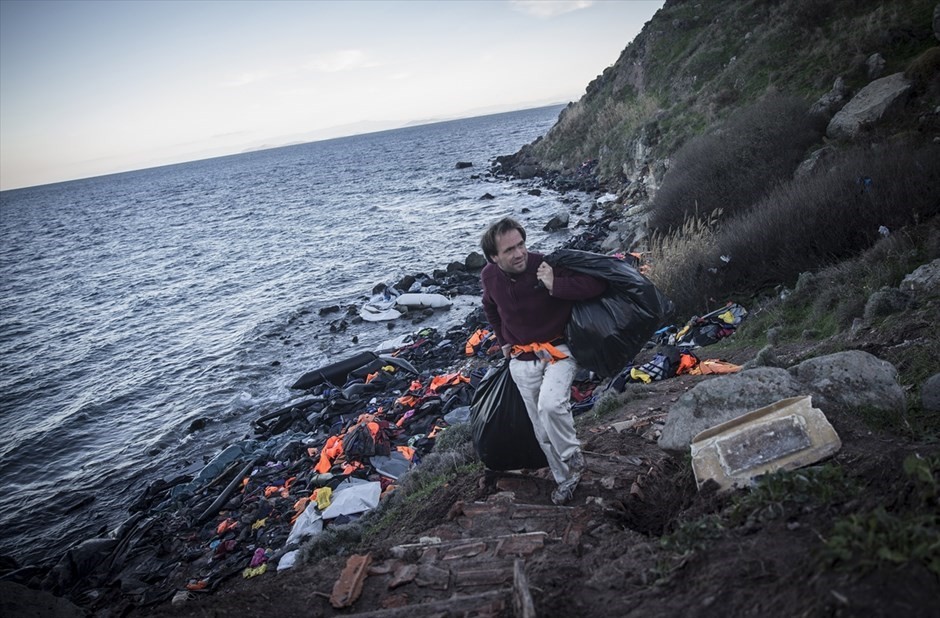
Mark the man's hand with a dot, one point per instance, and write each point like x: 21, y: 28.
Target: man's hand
x: 546, y: 275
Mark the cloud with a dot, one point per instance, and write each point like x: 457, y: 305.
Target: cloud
x: 545, y: 9
x: 340, y: 60
x: 247, y: 77
x: 328, y: 62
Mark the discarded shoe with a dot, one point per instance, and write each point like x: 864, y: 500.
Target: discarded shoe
x: 565, y: 490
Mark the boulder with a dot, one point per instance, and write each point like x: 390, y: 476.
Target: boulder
x: 558, y: 222
x: 847, y: 380
x: 818, y: 159
x: 721, y: 399
x: 930, y: 394
x: 886, y: 301
x: 925, y: 278
x: 875, y: 65
x: 870, y: 105
x: 851, y: 379
x: 463, y: 165
x: 405, y: 283
x: 474, y: 261
x: 829, y: 103
x: 936, y: 22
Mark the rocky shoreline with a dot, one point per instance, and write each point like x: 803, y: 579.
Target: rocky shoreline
x: 239, y: 514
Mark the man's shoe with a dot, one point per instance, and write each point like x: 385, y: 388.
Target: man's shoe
x: 565, y: 490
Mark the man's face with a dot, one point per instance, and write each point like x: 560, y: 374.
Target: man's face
x: 511, y: 255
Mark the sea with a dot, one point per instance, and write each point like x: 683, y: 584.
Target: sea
x: 137, y: 306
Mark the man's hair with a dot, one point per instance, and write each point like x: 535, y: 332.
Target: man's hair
x: 488, y: 242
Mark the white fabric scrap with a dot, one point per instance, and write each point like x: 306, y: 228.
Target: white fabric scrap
x: 310, y: 523
x: 353, y: 496
x: 288, y: 560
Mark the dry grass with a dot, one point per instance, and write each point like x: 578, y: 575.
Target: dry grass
x: 800, y: 226
x: 732, y: 169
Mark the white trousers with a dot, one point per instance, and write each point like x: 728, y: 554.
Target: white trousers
x: 546, y: 390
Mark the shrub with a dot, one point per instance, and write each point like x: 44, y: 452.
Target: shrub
x: 732, y: 169
x: 678, y: 258
x: 923, y: 71
x: 801, y: 226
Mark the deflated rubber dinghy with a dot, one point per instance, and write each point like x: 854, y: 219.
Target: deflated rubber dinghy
x: 419, y: 300
x: 371, y: 313
x: 334, y: 373
x: 381, y: 307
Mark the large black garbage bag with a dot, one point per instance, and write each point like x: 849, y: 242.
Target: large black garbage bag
x: 502, y: 432
x: 606, y: 332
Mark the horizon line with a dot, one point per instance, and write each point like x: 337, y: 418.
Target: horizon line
x: 251, y: 150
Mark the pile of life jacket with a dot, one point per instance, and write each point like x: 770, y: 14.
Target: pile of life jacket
x: 703, y: 330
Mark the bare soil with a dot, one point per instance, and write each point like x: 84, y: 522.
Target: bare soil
x: 477, y: 546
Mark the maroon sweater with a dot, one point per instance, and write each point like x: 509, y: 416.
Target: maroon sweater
x: 523, y: 312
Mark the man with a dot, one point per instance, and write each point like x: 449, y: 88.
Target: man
x: 528, y: 304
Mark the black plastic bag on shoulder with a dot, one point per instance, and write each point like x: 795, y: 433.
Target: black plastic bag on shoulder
x: 502, y: 432
x: 606, y: 332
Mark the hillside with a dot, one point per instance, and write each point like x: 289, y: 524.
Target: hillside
x: 716, y: 134
x: 781, y: 155
x: 696, y: 64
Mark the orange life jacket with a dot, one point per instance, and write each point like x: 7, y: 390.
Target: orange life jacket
x: 712, y: 367
x: 544, y: 351
x: 331, y: 450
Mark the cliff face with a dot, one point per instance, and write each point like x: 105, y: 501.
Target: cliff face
x: 696, y: 64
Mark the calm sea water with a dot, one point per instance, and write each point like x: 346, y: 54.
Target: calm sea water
x: 133, y: 304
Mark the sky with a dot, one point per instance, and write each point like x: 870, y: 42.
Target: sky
x: 96, y: 87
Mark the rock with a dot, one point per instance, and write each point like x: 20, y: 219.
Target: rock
x: 886, y: 301
x: 455, y: 267
x: 829, y: 103
x: 870, y: 105
x: 525, y: 172
x: 766, y: 357
x: 721, y: 399
x: 474, y: 261
x: 557, y: 222
x: 329, y: 309
x: 851, y: 379
x: 463, y: 165
x: 818, y: 158
x: 405, y: 283
x: 876, y: 65
x: 535, y: 192
x: 936, y: 22
x: 925, y: 278
x: 848, y: 380
x: 487, y: 196
x: 612, y: 242
x: 930, y: 394
x: 198, y: 424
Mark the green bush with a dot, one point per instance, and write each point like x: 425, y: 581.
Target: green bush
x: 733, y: 168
